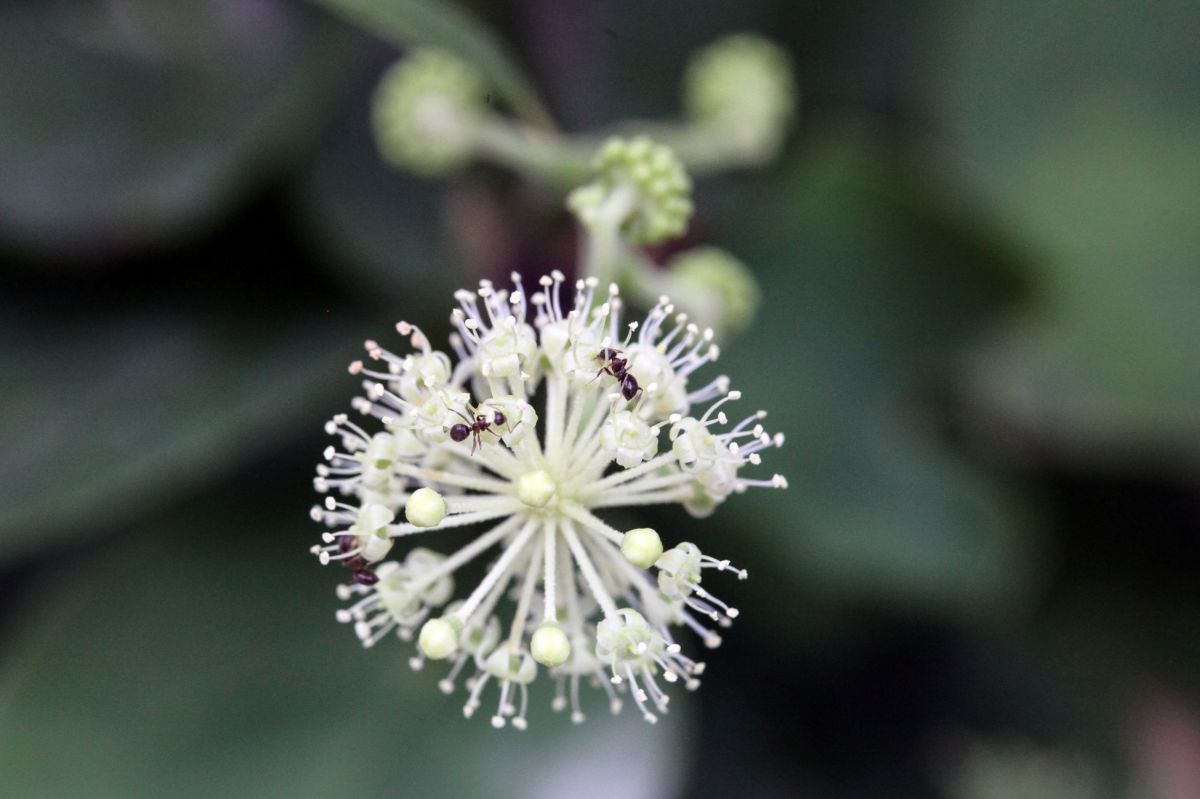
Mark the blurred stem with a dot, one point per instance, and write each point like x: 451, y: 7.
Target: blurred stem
x: 565, y: 161
x: 556, y: 159
x: 703, y: 149
x: 605, y: 251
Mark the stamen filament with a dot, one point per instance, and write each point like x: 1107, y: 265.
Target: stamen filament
x: 589, y: 572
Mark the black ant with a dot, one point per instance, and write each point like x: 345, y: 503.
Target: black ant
x: 618, y: 367
x: 476, y: 428
x: 363, y: 574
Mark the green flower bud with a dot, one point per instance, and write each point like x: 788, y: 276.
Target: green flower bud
x: 641, y: 186
x: 642, y: 547
x: 549, y: 645
x: 743, y: 86
x: 425, y: 508
x: 535, y: 488
x: 439, y: 637
x: 714, y: 287
x: 427, y: 112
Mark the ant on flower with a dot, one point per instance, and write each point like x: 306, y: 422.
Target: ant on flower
x: 363, y: 573
x: 618, y: 367
x: 477, y: 426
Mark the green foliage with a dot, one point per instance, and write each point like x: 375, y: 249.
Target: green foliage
x: 115, y: 416
x: 122, y: 130
x: 1082, y: 133
x: 201, y: 658
x: 878, y: 506
x: 378, y: 232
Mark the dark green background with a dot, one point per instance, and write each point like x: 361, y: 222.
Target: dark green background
x: 980, y: 254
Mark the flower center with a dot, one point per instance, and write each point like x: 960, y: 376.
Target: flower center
x: 536, y: 489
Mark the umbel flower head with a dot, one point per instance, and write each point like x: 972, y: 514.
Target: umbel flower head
x: 622, y: 419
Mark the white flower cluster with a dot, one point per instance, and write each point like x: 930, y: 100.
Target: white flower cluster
x: 621, y: 421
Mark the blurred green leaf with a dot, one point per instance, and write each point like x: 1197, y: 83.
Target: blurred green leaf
x: 1081, y: 130
x: 201, y: 658
x: 378, y: 227
x: 112, y: 416
x: 127, y: 123
x: 406, y: 23
x: 867, y: 292
x: 1109, y: 360
x: 998, y: 77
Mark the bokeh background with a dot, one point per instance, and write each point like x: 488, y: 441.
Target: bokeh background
x: 981, y: 334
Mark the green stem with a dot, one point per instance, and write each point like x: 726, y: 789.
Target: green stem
x: 605, y: 250
x: 555, y: 158
x: 565, y: 161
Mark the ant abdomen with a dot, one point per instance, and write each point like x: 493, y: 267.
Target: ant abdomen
x: 618, y: 367
x: 629, y: 386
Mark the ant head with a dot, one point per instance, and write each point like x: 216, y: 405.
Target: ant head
x: 498, y: 418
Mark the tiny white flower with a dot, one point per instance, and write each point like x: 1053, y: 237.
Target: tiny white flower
x: 628, y: 439
x: 550, y: 412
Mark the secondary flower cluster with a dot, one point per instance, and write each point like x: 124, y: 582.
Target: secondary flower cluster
x: 620, y: 420
x: 433, y: 114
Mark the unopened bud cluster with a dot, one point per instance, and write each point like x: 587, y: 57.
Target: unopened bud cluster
x: 641, y: 186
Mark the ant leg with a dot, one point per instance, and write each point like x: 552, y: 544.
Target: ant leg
x: 512, y: 428
x: 604, y: 370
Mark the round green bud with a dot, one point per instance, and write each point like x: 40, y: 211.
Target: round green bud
x: 715, y: 287
x: 535, y: 489
x: 743, y: 84
x: 439, y: 637
x: 427, y: 111
x: 641, y: 547
x: 642, y: 181
x: 425, y: 508
x: 549, y: 645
